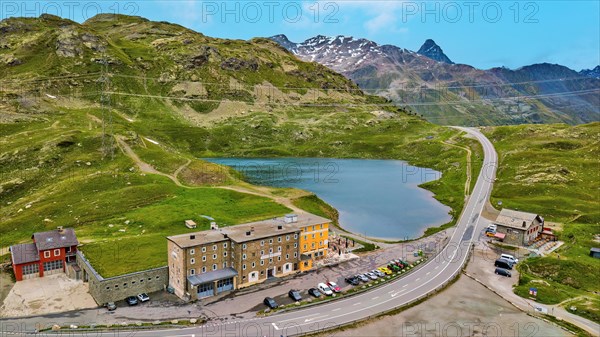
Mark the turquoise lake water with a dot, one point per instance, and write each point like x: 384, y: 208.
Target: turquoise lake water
x: 376, y: 198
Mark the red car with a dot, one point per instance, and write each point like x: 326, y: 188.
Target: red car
x: 334, y: 287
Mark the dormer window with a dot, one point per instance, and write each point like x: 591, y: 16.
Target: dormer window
x: 47, y: 254
x: 57, y: 252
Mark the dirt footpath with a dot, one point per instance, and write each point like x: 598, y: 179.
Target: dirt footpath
x: 44, y: 295
x: 466, y: 309
x: 6, y: 284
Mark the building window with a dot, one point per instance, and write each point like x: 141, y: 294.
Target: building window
x: 295, y: 245
x: 68, y: 249
x: 47, y: 254
x: 192, y: 251
x: 214, y: 247
x: 192, y: 260
x: 321, y: 226
x: 215, y: 266
x: 244, y: 266
x: 287, y: 238
x: 224, y: 244
x: 204, y: 249
x: 313, y: 236
x: 225, y: 254
x: 203, y: 258
x: 279, y: 239
x: 243, y: 256
x: 313, y: 228
x: 270, y: 260
x: 244, y: 246
x: 192, y: 271
x: 57, y: 252
x: 204, y: 269
x: 278, y: 249
x: 262, y: 243
x: 295, y: 254
x: 305, y: 237
x: 224, y: 264
x: 295, y: 236
x: 312, y: 245
x: 304, y: 247
x: 262, y: 252
x: 270, y: 241
x: 253, y: 264
x: 214, y: 256
x: 279, y: 258
x: 262, y: 262
x: 287, y: 256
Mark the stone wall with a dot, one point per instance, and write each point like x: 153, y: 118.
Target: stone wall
x: 117, y: 288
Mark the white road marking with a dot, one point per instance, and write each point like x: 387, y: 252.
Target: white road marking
x: 376, y: 297
x: 336, y: 309
x: 275, y: 326
x: 357, y: 303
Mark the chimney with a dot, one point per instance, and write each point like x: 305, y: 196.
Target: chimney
x: 248, y: 233
x: 289, y: 218
x: 252, y: 229
x: 524, y: 224
x: 192, y: 237
x: 225, y: 235
x: 280, y: 227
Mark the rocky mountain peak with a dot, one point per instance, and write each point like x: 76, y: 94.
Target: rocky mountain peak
x: 433, y: 51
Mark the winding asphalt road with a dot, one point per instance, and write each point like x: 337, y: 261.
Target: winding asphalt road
x: 434, y: 274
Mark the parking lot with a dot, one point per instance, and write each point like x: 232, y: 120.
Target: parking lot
x: 50, y: 294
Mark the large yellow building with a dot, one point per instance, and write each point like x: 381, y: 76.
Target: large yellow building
x: 314, y: 238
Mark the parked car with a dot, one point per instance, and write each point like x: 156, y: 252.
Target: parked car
x: 295, y: 295
x: 363, y: 277
x: 378, y: 273
x: 270, y: 302
x: 492, y: 227
x: 393, y: 267
x: 314, y: 292
x: 502, y: 263
x: 334, y: 287
x: 323, y: 288
x: 490, y: 234
x: 353, y: 280
x: 131, y: 300
x: 385, y: 270
x: 503, y: 272
x: 372, y: 276
x: 401, y: 264
x: 509, y: 258
x: 111, y: 306
x: 143, y: 297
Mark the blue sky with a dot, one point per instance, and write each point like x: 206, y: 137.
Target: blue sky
x: 484, y: 34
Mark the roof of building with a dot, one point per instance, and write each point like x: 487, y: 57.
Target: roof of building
x: 197, y: 238
x: 258, y: 230
x: 55, y: 239
x: 211, y: 276
x: 515, y: 219
x: 24, y: 253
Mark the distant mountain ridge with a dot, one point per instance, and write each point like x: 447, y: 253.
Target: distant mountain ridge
x: 448, y: 93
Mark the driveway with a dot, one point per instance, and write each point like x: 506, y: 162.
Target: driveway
x: 45, y: 295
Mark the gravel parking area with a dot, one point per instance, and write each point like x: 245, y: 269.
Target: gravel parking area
x: 50, y: 294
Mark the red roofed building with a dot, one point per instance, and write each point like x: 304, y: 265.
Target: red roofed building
x: 48, y: 254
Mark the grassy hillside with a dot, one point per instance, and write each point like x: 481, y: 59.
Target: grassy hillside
x: 175, y: 96
x: 553, y: 170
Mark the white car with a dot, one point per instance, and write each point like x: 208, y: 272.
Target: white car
x: 323, y: 288
x: 378, y: 272
x: 509, y: 258
x: 143, y: 297
x: 372, y: 276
